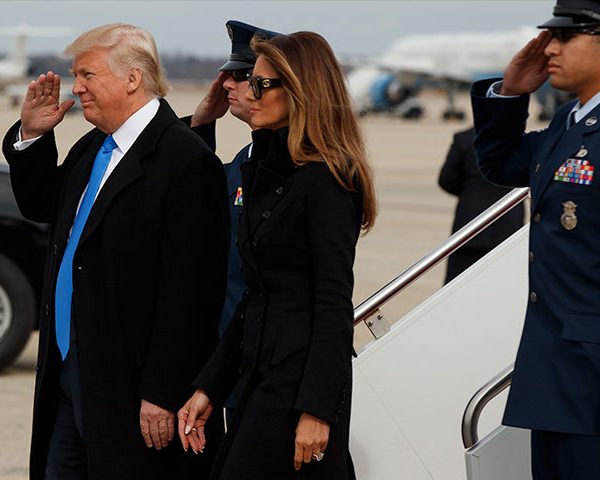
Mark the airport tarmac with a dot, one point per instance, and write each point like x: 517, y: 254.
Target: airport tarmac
x: 415, y: 216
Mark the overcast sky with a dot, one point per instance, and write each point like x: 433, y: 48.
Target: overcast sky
x: 197, y: 27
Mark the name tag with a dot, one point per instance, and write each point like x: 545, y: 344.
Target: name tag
x: 575, y: 170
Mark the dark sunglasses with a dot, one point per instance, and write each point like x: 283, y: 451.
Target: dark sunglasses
x: 563, y: 35
x: 258, y: 84
x: 240, y: 75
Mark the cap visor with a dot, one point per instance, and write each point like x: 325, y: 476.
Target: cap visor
x: 561, y: 22
x: 235, y: 65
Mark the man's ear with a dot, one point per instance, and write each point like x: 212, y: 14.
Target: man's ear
x: 134, y: 80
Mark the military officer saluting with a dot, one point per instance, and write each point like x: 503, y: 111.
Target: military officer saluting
x: 555, y: 390
x: 228, y: 91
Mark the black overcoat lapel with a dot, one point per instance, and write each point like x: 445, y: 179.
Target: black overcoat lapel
x: 130, y: 167
x: 77, y: 181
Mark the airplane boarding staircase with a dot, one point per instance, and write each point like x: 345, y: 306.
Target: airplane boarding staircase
x: 416, y: 380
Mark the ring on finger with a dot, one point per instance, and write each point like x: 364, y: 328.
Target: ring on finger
x: 318, y: 456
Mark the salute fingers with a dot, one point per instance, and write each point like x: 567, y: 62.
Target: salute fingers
x: 49, y: 85
x: 45, y: 90
x: 41, y: 110
x: 39, y: 87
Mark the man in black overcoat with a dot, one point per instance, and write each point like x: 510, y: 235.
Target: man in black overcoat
x: 147, y: 264
x: 461, y: 177
x: 555, y: 389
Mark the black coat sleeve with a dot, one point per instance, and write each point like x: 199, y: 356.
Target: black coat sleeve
x: 504, y: 152
x: 205, y: 132
x: 193, y: 269
x: 333, y: 223
x: 221, y: 372
x: 35, y: 177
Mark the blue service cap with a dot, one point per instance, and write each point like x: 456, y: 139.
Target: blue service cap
x: 574, y: 14
x: 242, y: 56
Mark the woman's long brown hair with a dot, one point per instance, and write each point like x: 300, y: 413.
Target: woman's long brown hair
x: 323, y: 126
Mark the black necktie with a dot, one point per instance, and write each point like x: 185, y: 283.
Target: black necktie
x: 571, y: 119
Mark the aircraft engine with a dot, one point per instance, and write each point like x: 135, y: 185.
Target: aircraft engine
x: 386, y: 91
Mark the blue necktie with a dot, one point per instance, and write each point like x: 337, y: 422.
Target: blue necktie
x: 64, y: 282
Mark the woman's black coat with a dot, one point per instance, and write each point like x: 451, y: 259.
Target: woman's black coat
x: 288, y: 349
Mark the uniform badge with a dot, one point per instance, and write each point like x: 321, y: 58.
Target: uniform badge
x: 591, y: 121
x: 575, y: 170
x: 568, y: 219
x: 582, y: 152
x: 239, y: 198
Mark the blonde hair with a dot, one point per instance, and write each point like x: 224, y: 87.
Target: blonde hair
x: 322, y: 126
x: 129, y: 47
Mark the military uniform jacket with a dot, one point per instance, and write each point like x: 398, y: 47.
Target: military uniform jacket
x: 556, y: 384
x: 235, y: 279
x: 288, y: 349
x: 148, y: 287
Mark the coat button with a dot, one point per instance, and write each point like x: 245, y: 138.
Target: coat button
x: 258, y: 318
x: 533, y: 297
x: 47, y: 309
x: 261, y: 294
x: 537, y: 167
x: 255, y: 242
x: 537, y: 217
x: 279, y: 190
x: 55, y: 249
x: 530, y: 257
x: 266, y: 214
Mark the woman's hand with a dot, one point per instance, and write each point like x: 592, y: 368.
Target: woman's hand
x: 192, y: 418
x: 312, y: 435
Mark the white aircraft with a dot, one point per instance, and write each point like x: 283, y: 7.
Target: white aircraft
x: 15, y: 66
x: 392, y: 80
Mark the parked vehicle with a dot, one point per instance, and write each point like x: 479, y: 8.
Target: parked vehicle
x: 23, y: 246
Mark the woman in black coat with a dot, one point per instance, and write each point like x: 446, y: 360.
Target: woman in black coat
x: 286, y: 356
